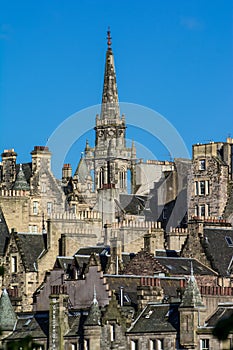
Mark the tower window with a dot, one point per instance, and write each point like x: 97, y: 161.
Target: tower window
x: 101, y: 177
x: 202, y: 164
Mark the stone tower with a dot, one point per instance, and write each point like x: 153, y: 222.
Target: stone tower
x: 110, y: 160
x: 190, y: 317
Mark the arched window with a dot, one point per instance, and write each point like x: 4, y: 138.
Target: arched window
x: 101, y: 177
x: 122, y: 178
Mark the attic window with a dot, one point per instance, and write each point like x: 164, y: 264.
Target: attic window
x: 229, y: 241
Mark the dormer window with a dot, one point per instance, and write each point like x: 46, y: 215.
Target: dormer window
x: 229, y: 241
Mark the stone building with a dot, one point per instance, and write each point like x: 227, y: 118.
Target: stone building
x: 29, y: 193
x: 210, y: 180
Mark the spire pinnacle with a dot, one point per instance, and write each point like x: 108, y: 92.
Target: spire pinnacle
x: 109, y: 38
x: 110, y: 103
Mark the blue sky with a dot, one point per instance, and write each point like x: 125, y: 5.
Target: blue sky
x: 174, y: 57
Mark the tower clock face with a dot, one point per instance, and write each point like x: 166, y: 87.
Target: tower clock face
x: 111, y: 132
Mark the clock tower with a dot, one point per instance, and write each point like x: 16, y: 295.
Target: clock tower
x: 112, y: 159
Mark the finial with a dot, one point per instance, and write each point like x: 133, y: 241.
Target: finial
x: 20, y: 167
x: 191, y: 271
x: 109, y: 38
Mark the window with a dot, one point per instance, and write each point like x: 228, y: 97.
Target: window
x: 74, y: 346
x: 74, y: 208
x: 160, y: 345
x: 43, y: 188
x: 101, y: 177
x: 156, y: 344
x: 34, y: 229
x: 14, y: 267
x: 201, y: 188
x: 202, y: 210
x: 202, y: 164
x: 112, y: 332
x: 86, y: 344
x: 49, y: 208
x: 204, y: 344
x: 134, y: 345
x: 35, y: 208
x: 152, y: 344
x: 122, y: 176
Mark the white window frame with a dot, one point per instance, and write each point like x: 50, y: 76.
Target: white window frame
x: 35, y: 207
x: 49, y: 208
x: 204, y: 344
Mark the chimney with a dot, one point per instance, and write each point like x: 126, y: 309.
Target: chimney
x: 41, y: 158
x: 66, y: 172
x: 8, y: 168
x: 58, y: 317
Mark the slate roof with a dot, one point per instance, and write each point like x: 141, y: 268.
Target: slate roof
x: 219, y: 249
x: 30, y: 246
x: 7, y: 313
x: 37, y: 325
x: 27, y: 170
x: 21, y: 182
x: 157, y: 318
x: 192, y: 295
x: 83, y: 254
x: 4, y: 233
x: 144, y: 263
x: 181, y: 266
x: 223, y: 311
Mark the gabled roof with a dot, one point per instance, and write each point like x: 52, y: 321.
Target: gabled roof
x: 4, y: 233
x: 30, y: 247
x: 144, y: 263
x: 157, y: 318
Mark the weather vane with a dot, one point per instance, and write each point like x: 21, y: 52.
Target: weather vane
x: 109, y: 38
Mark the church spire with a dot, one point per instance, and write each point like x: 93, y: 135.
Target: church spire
x: 110, y: 103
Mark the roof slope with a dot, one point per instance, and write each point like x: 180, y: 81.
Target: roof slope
x: 7, y: 314
x: 157, y: 318
x: 4, y: 233
x: 219, y: 249
x: 30, y: 246
x: 144, y: 264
